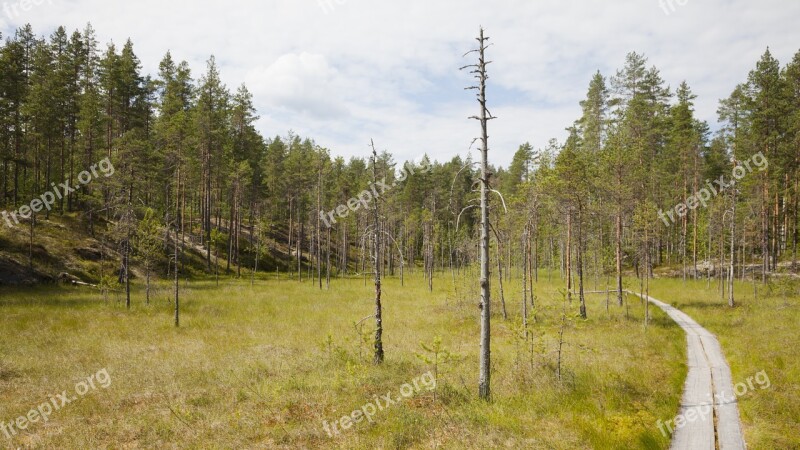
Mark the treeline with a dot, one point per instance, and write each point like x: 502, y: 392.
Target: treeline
x: 192, y: 172
x: 640, y: 182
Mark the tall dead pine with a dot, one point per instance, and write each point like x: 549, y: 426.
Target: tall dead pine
x: 480, y: 74
x: 378, y: 263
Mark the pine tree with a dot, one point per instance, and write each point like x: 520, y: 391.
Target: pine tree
x: 211, y: 118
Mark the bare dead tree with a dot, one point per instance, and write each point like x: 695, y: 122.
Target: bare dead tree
x: 378, y: 263
x: 328, y: 262
x: 731, y: 272
x: 178, y: 223
x: 319, y: 230
x: 500, y: 271
x: 525, y: 242
x: 480, y: 73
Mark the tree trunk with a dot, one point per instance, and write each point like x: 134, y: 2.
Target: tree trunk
x: 731, y: 273
x: 525, y: 287
x: 795, y: 225
x: 485, y: 352
x: 231, y: 219
x: 328, y: 262
x: 580, y: 264
x: 147, y: 288
x: 257, y: 233
x: 500, y: 277
x: 176, y: 255
x: 127, y: 268
x: 531, y: 263
x: 618, y: 252
x: 568, y: 256
x: 319, y: 230
x: 379, y: 356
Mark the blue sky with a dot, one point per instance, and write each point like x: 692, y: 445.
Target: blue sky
x: 346, y: 71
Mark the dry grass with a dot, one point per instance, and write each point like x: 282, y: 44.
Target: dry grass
x: 263, y: 366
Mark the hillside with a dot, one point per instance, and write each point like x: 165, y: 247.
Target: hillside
x: 64, y: 250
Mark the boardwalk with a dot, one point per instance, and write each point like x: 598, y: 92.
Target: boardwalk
x: 708, y: 382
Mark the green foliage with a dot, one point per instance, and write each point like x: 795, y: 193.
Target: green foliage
x: 436, y: 354
x: 149, y: 238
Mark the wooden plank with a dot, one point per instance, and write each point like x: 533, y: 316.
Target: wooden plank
x: 708, y: 392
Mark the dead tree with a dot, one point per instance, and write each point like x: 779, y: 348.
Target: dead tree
x: 580, y: 256
x: 568, y: 255
x: 525, y: 240
x: 479, y: 72
x: 179, y: 236
x: 319, y: 230
x: 500, y: 271
x: 378, y: 263
x: 732, y: 273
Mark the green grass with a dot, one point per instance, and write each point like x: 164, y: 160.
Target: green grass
x: 263, y: 366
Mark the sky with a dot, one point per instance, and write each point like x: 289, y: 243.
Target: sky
x: 346, y: 71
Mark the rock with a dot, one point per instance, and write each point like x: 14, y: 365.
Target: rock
x: 13, y: 273
x: 89, y: 253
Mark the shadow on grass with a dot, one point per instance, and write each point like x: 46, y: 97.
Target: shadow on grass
x: 702, y: 305
x: 55, y: 302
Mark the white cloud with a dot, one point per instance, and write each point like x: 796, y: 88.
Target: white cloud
x: 388, y: 69
x: 299, y: 83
